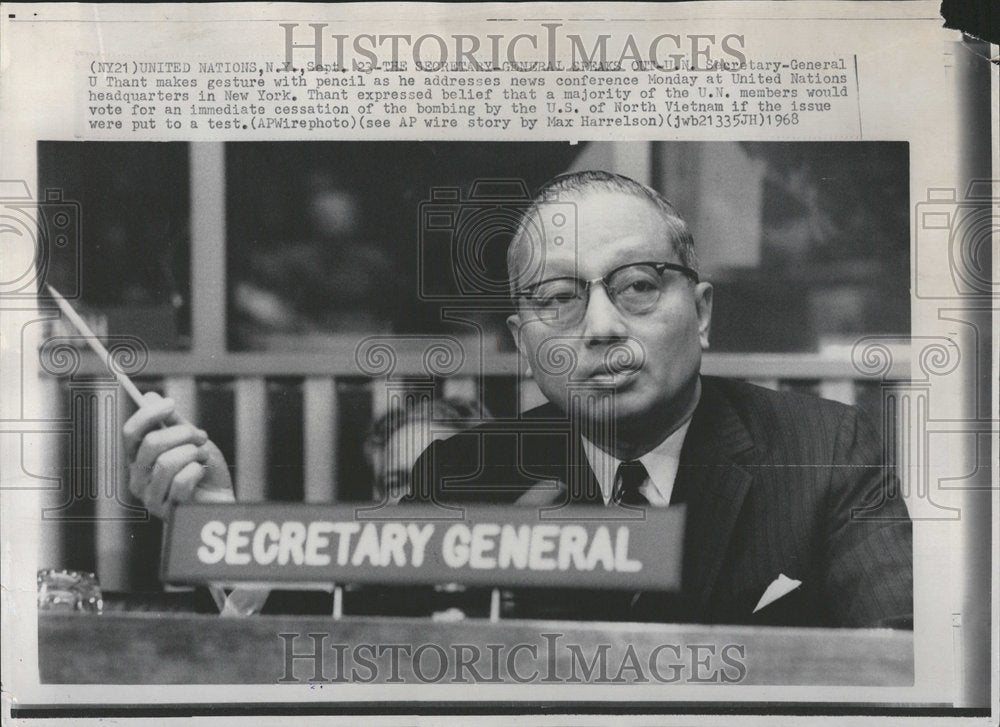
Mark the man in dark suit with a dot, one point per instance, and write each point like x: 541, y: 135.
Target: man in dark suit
x: 792, y: 518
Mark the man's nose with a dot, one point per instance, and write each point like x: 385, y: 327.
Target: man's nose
x: 602, y: 322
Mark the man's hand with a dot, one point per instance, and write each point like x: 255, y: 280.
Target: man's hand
x: 171, y: 460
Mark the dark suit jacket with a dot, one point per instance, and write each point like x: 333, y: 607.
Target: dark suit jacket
x: 774, y: 483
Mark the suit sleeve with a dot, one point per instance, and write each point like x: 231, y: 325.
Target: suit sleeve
x: 869, y: 541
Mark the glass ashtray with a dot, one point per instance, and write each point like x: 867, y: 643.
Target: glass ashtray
x: 69, y: 590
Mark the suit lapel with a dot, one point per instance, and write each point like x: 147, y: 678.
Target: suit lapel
x: 584, y: 488
x: 558, y: 464
x: 713, y: 483
x: 712, y: 480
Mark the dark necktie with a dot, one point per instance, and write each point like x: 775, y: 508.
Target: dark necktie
x: 630, y: 477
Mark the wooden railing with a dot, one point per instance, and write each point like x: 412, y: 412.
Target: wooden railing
x: 316, y: 379
x: 177, y: 375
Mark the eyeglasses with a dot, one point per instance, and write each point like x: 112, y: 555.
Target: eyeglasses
x: 634, y: 288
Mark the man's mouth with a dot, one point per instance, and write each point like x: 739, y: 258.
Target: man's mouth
x: 612, y: 375
x: 617, y: 366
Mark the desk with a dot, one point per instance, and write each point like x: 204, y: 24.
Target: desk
x: 155, y: 648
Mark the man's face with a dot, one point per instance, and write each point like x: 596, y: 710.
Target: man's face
x: 394, y: 462
x: 664, y: 343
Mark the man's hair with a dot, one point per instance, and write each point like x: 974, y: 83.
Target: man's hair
x: 597, y: 180
x: 452, y: 411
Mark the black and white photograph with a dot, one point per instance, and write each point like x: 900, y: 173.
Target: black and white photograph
x: 439, y: 337
x: 316, y: 410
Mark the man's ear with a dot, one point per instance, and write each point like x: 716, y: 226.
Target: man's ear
x: 514, y: 324
x: 703, y: 302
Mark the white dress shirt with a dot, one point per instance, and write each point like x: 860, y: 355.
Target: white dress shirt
x: 660, y: 463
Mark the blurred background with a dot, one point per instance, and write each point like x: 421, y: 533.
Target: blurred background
x: 806, y: 242
x: 253, y: 271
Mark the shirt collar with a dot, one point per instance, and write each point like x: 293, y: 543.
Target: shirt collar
x: 661, y: 463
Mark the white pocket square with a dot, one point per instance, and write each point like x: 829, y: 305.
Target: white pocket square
x: 781, y: 586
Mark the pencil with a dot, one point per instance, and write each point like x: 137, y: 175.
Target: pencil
x: 92, y: 340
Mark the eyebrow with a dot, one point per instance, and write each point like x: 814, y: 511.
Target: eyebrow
x: 667, y: 265
x: 523, y: 279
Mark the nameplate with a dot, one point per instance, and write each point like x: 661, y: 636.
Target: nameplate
x: 582, y: 547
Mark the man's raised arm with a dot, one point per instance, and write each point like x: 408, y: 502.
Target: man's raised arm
x: 171, y: 460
